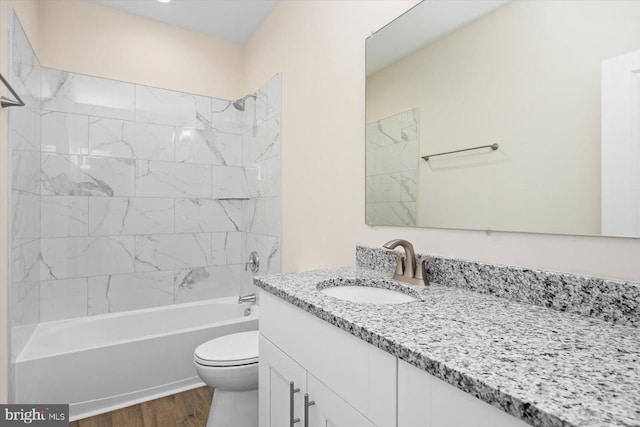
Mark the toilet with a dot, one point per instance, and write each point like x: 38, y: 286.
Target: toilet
x: 229, y: 364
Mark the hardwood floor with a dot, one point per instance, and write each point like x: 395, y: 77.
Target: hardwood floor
x: 186, y: 409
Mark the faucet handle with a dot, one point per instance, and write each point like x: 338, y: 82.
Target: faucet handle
x: 253, y: 263
x: 421, y: 268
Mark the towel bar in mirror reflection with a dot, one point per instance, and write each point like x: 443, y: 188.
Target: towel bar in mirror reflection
x: 493, y: 147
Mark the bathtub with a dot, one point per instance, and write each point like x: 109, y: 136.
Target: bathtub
x: 101, y: 363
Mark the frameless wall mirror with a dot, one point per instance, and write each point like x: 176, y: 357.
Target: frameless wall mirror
x: 554, y: 83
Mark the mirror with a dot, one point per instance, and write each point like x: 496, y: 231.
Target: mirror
x: 554, y: 83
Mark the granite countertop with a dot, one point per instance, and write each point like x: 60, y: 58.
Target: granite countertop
x: 546, y: 367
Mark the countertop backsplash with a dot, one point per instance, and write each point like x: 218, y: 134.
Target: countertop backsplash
x: 610, y: 300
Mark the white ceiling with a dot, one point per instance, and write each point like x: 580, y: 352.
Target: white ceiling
x: 233, y: 20
x: 422, y: 25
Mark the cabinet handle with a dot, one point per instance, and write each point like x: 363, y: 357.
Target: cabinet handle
x: 292, y: 390
x: 306, y: 409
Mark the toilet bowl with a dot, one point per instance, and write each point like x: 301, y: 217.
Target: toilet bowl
x: 229, y: 364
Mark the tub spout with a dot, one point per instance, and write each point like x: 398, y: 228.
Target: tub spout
x: 247, y: 298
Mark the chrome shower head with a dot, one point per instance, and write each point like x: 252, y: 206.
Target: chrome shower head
x: 239, y: 104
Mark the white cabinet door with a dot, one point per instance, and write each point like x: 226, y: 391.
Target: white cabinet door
x: 277, y: 372
x: 329, y: 410
x: 360, y: 373
x: 414, y: 396
x: 424, y: 400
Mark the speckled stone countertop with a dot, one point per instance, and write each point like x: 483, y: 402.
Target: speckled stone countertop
x: 546, y: 367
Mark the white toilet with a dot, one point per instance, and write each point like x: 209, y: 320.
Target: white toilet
x: 229, y: 364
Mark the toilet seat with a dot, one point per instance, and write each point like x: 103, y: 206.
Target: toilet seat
x: 229, y: 350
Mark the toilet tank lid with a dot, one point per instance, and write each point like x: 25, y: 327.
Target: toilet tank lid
x: 241, y: 347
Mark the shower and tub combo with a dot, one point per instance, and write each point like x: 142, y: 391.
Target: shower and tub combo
x: 134, y: 210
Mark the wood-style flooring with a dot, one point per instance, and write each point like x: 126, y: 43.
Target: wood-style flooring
x: 186, y: 409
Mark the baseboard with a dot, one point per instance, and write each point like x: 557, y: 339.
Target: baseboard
x: 90, y: 408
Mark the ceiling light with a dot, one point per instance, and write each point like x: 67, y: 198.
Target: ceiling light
x: 164, y: 1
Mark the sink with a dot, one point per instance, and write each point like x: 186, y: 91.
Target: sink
x: 367, y: 294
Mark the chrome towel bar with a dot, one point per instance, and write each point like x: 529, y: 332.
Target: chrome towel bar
x: 494, y: 147
x: 6, y: 102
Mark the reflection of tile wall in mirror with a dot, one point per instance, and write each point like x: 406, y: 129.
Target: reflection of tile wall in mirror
x: 391, y: 169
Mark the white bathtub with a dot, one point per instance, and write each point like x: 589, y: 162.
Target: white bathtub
x: 101, y: 363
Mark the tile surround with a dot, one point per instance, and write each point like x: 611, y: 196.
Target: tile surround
x: 127, y: 196
x: 263, y: 216
x: 61, y: 299
x: 226, y: 248
x: 25, y: 260
x: 263, y: 178
x: 161, y: 187
x: 24, y: 131
x: 208, y: 147
x: 229, y: 183
x: 25, y: 216
x: 262, y: 142
x: 208, y: 215
x: 268, y: 247
x: 170, y: 179
x: 168, y: 107
x: 64, y: 216
x: 122, y: 292
x: 207, y: 282
x: 261, y: 146
x: 70, y: 175
x: 225, y: 118
x: 25, y: 171
x: 69, y: 257
x: 126, y: 216
x: 81, y: 94
x: 64, y: 133
x: 125, y: 139
x: 161, y: 252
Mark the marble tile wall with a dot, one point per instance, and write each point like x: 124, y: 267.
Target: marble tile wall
x: 146, y: 199
x: 392, y: 169
x: 128, y: 196
x: 25, y: 195
x: 261, y: 143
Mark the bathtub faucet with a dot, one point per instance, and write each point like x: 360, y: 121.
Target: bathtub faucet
x: 247, y: 298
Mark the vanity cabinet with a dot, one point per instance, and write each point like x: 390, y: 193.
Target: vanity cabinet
x: 286, y: 388
x: 352, y: 383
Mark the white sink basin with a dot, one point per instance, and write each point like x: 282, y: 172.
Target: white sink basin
x: 367, y: 294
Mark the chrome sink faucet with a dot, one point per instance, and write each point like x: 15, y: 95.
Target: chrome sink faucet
x: 407, y: 270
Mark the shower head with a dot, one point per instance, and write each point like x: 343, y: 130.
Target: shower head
x: 239, y: 104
